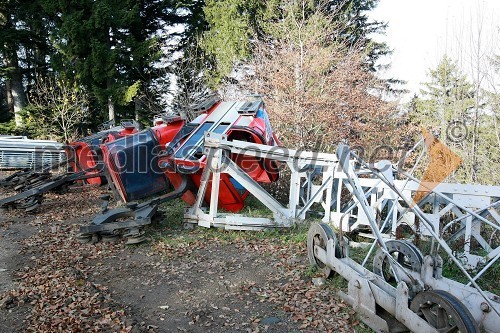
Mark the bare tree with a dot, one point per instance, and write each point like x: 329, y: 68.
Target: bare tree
x: 318, y: 90
x: 190, y: 83
x: 476, y: 43
x: 59, y: 105
x: 180, y: 83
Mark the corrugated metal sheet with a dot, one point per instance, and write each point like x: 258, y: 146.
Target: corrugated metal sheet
x: 18, y: 152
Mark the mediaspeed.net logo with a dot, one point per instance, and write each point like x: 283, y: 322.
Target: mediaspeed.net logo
x: 442, y: 163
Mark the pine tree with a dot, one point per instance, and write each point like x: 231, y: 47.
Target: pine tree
x: 231, y: 26
x: 111, y: 48
x: 22, y: 51
x: 448, y: 105
x: 357, y: 27
x: 234, y: 25
x: 447, y: 97
x: 316, y: 84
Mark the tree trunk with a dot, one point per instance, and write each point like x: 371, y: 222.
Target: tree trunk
x: 8, y: 97
x: 16, y: 97
x: 111, y: 109
x: 475, y: 134
x: 137, y: 107
x: 111, y: 104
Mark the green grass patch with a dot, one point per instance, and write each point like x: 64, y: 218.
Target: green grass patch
x: 170, y: 231
x: 169, y: 228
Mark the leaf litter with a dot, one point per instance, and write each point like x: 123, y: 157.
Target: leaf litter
x: 217, y: 283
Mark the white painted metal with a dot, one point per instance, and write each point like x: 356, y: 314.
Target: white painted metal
x: 20, y: 152
x: 366, y: 290
x: 474, y: 206
x: 376, y: 197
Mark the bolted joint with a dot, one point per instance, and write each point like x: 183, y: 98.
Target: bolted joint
x: 485, y: 307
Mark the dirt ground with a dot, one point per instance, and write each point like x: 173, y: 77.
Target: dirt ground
x: 178, y: 281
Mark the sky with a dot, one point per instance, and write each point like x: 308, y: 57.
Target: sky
x: 420, y: 32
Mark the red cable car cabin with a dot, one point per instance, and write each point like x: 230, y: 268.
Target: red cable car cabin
x: 147, y: 163
x: 82, y: 154
x: 244, y: 121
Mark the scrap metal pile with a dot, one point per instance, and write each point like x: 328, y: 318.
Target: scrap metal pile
x: 147, y: 168
x: 79, y: 160
x: 229, y: 150
x: 399, y: 286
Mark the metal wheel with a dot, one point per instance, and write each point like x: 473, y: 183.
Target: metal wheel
x: 19, y: 188
x: 30, y: 204
x: 404, y: 252
x: 188, y: 226
x: 444, y: 312
x: 318, y: 235
x: 84, y: 238
x: 134, y: 236
x: 109, y: 237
